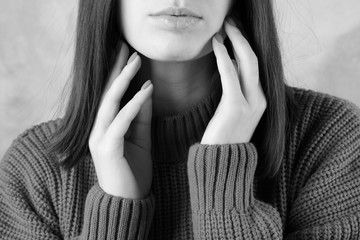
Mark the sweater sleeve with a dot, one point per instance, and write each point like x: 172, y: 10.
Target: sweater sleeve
x: 327, y: 206
x: 27, y: 210
x: 222, y: 201
x: 110, y: 217
x: 325, y: 182
x: 30, y: 195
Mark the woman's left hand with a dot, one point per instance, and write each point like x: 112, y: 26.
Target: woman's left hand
x: 243, y: 101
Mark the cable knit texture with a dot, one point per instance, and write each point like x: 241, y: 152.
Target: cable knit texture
x: 198, y: 191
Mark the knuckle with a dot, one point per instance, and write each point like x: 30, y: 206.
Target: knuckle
x: 223, y: 50
x: 137, y: 96
x: 236, y: 33
x: 126, y: 118
x: 111, y: 84
x: 229, y: 67
x: 115, y: 98
x: 123, y: 114
x: 109, y: 98
x: 139, y: 100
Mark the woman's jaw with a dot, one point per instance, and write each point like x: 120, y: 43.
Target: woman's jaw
x: 175, y: 49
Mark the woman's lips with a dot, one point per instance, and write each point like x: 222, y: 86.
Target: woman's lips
x: 176, y: 18
x: 176, y: 22
x: 173, y: 11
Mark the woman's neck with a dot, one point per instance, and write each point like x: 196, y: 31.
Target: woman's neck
x: 177, y: 85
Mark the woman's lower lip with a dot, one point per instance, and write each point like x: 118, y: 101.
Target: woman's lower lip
x: 177, y: 22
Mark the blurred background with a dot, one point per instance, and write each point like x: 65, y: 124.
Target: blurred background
x: 320, y: 44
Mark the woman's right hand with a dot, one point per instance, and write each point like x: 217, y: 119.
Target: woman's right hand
x: 120, y: 141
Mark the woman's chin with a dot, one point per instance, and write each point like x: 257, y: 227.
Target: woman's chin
x: 169, y: 56
x: 173, y: 58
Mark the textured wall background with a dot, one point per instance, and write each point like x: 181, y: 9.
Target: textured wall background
x: 319, y: 37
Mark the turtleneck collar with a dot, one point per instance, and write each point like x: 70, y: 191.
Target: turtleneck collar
x: 173, y: 135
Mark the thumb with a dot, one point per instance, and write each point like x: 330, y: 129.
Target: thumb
x: 141, y: 132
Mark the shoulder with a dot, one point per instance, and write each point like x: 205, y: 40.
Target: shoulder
x: 318, y: 111
x: 317, y: 102
x: 26, y: 161
x: 41, y: 132
x: 322, y: 168
x: 325, y: 129
x: 32, y: 142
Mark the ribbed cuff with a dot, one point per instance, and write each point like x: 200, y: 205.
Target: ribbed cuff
x: 110, y: 217
x: 221, y: 176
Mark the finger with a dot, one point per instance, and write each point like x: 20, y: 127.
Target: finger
x: 229, y: 78
x: 140, y: 126
x: 111, y: 100
x: 141, y: 132
x: 120, y: 63
x: 247, y: 62
x: 236, y: 66
x: 127, y: 114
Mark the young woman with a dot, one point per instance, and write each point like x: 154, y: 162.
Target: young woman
x: 214, y: 146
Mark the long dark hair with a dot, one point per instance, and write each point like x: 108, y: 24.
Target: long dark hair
x: 98, y: 36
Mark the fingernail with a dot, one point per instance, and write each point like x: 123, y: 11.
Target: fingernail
x: 231, y: 22
x: 146, y: 85
x: 219, y: 38
x: 133, y: 56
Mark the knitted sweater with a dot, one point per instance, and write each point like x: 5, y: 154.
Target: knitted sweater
x: 199, y: 191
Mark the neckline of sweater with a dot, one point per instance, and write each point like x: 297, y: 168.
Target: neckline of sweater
x: 172, y: 135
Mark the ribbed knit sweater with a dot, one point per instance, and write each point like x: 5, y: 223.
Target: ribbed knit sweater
x: 199, y: 191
